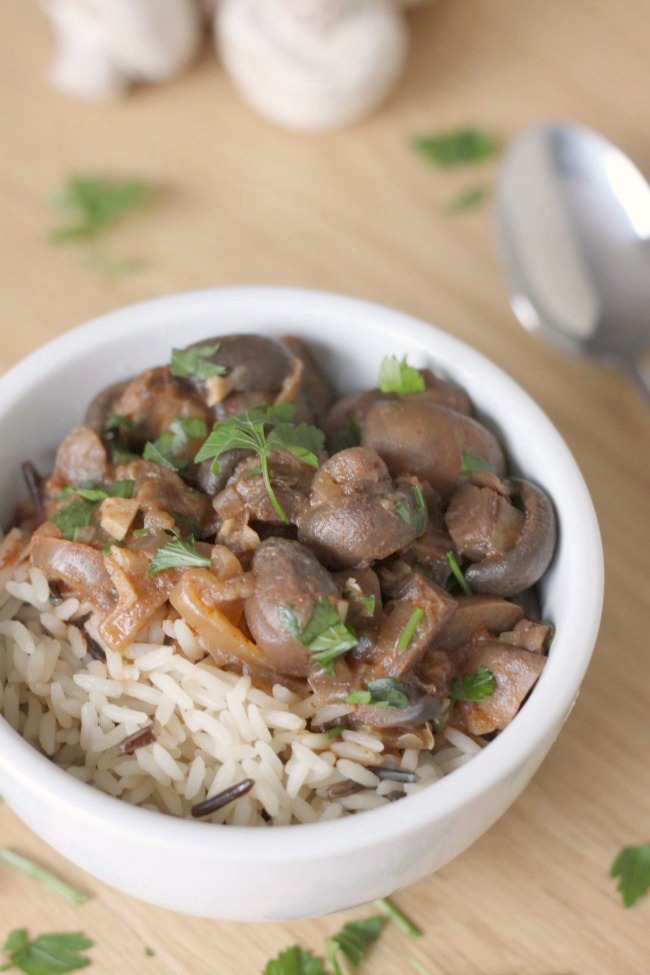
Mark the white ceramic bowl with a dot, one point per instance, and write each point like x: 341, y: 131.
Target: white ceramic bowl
x: 296, y: 871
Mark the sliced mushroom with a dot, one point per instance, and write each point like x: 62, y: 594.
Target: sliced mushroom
x: 482, y: 522
x: 287, y: 576
x: 474, y: 615
x: 515, y: 672
x: 314, y: 398
x: 428, y: 440
x: 153, y: 400
x: 358, y: 529
x: 515, y: 570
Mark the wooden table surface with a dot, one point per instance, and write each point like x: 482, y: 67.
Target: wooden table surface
x: 358, y: 212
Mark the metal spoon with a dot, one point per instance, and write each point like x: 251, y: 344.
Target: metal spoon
x: 574, y: 220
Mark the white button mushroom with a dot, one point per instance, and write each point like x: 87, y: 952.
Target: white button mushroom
x: 312, y: 64
x: 105, y: 45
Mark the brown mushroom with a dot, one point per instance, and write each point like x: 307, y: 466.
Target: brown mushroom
x: 515, y: 672
x: 287, y: 575
x: 428, y: 440
x: 513, y: 571
x: 101, y: 406
x: 473, y: 615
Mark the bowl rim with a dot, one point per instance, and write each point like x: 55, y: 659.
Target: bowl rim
x: 545, y: 711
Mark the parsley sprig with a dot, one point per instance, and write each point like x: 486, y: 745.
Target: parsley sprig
x: 197, y: 362
x: 49, y: 954
x: 176, y: 555
x: 470, y: 464
x: 263, y: 430
x: 458, y: 573
x: 632, y: 867
x: 325, y: 636
x: 408, y: 632
x: 94, y: 204
x: 396, y: 376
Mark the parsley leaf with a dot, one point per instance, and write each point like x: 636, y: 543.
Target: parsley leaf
x: 166, y: 450
x: 399, y: 377
x: 471, y: 464
x: 408, y: 632
x: 466, y: 145
x: 385, y: 692
x: 325, y: 636
x: 77, y: 514
x: 472, y: 197
x: 43, y: 876
x: 632, y: 867
x: 248, y: 431
x: 353, y: 940
x: 473, y: 687
x: 94, y: 204
x: 116, y: 422
x: 49, y: 954
x: 178, y: 554
x: 295, y: 961
x: 97, y: 492
x: 196, y: 362
x: 457, y: 573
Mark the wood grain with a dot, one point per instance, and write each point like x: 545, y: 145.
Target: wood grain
x: 359, y: 212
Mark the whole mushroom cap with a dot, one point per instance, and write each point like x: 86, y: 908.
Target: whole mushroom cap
x: 312, y: 73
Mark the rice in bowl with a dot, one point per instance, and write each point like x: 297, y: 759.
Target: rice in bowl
x: 212, y: 729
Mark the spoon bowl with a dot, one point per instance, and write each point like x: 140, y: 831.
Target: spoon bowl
x: 574, y: 222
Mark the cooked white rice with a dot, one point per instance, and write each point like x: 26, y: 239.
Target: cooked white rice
x: 212, y: 728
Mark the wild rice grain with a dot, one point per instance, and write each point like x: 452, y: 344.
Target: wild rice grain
x: 393, y: 773
x: 145, y: 736
x: 222, y: 799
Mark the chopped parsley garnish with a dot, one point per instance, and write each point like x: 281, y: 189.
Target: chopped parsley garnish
x: 471, y: 464
x: 350, y: 436
x: 166, y: 450
x: 78, y: 514
x: 386, y: 692
x: 465, y: 145
x: 94, y: 204
x: 196, y: 362
x: 116, y: 422
x: 632, y: 867
x: 149, y: 953
x: 49, y: 954
x: 324, y: 636
x: 178, y: 554
x: 408, y: 632
x: 263, y: 430
x: 295, y: 961
x: 399, y: 377
x: 97, y: 492
x: 43, y: 876
x: 364, y: 606
x: 334, y: 732
x: 403, y: 922
x: 473, y: 687
x: 420, y: 509
x: 471, y: 197
x: 457, y: 573
x: 401, y: 508
x: 353, y: 940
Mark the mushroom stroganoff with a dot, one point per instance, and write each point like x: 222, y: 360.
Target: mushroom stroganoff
x: 239, y: 598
